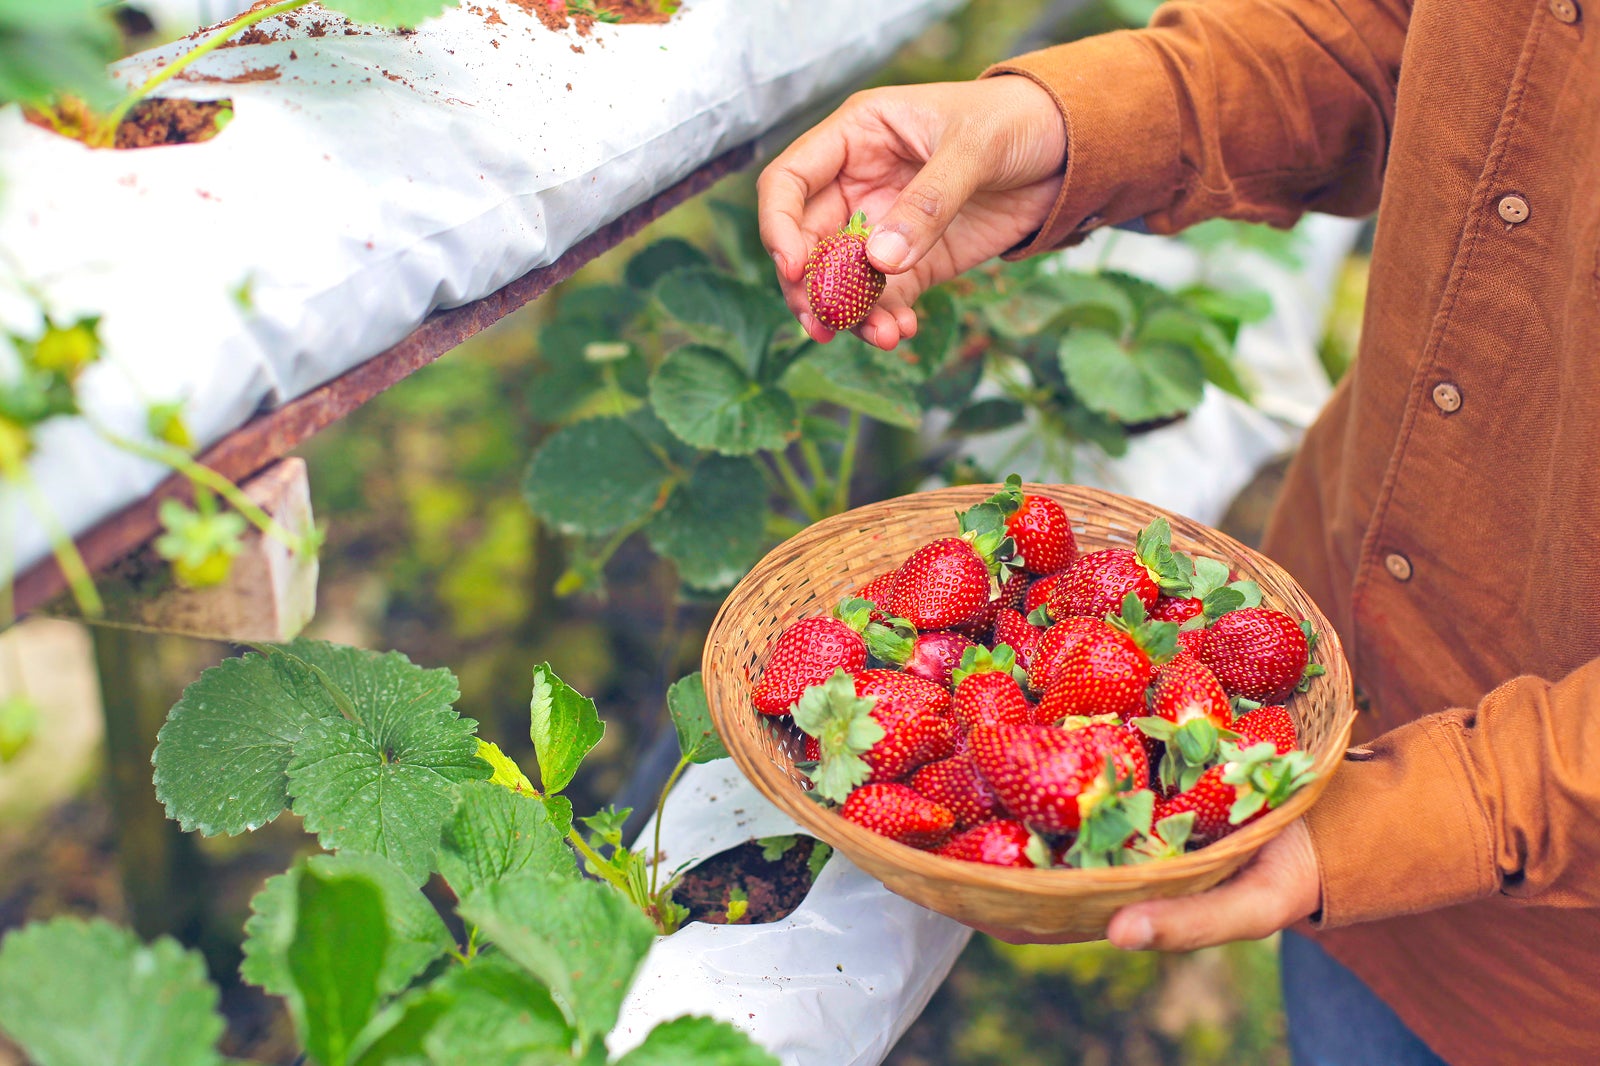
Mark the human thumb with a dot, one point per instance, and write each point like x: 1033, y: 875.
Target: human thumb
x: 924, y: 209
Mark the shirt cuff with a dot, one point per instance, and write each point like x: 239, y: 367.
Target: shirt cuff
x: 1401, y: 830
x: 1123, y: 135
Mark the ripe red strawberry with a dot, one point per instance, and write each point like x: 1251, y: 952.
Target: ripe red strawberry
x: 980, y: 623
x: 1184, y: 690
x: 1039, y: 593
x: 1105, y: 673
x: 1002, y: 842
x: 805, y: 654
x: 986, y: 693
x: 899, y: 813
x: 1054, y: 644
x: 1014, y: 590
x: 1187, y: 710
x: 880, y: 592
x: 1052, y: 778
x: 1176, y: 608
x: 813, y: 749
x: 1259, y: 653
x: 956, y: 783
x: 1271, y: 725
x: 1250, y: 782
x: 841, y: 283
x: 1098, y: 583
x: 1013, y: 630
x: 934, y: 656
x: 914, y: 714
x: 1043, y: 534
x: 942, y: 583
x: 1192, y: 640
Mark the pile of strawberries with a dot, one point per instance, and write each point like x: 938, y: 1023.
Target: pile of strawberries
x: 1000, y: 698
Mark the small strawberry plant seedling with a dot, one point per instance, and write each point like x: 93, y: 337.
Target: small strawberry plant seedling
x: 368, y: 750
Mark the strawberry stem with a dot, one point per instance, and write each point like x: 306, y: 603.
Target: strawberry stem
x: 847, y: 464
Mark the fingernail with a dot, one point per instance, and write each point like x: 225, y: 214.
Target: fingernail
x: 888, y: 248
x: 783, y: 264
x: 1138, y: 934
x: 808, y: 324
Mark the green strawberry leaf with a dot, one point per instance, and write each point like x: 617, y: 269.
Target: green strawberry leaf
x: 60, y: 47
x: 1219, y: 602
x: 496, y: 1014
x: 1129, y: 384
x: 335, y: 959
x: 507, y: 774
x: 775, y: 848
x: 702, y: 1041
x: 1209, y: 575
x: 493, y: 834
x: 76, y: 993
x: 938, y: 334
x: 708, y: 402
x: 1249, y: 590
x: 713, y: 526
x: 564, y: 726
x: 386, y: 787
x: 856, y: 376
x: 583, y: 939
x: 607, y: 823
x: 655, y: 261
x: 691, y: 717
x: 596, y: 476
x: 738, y: 236
x: 1200, y: 337
x: 844, y: 727
x: 415, y: 935
x: 821, y: 852
x: 222, y: 758
x: 738, y: 318
x: 391, y: 13
x: 987, y: 416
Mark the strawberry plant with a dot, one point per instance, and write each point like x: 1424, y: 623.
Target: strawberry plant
x: 368, y: 750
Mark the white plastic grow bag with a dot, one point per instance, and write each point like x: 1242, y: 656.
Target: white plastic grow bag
x: 835, y: 983
x: 367, y: 180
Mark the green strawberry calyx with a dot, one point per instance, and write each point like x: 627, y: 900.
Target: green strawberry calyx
x: 1167, y: 839
x: 1009, y: 498
x: 1001, y: 659
x: 1312, y: 669
x: 1192, y: 748
x: 1083, y: 721
x: 1261, y: 778
x: 1158, y: 640
x: 1218, y: 595
x: 889, y: 641
x: 845, y: 730
x: 1172, y: 570
x: 857, y: 226
x: 1112, y: 812
x: 983, y: 526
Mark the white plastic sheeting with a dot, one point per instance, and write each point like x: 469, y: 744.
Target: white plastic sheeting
x: 366, y: 180
x: 835, y: 983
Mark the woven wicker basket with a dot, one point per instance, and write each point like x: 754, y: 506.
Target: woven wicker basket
x: 809, y: 573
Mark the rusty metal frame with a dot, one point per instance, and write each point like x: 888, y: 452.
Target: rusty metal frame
x: 273, y: 434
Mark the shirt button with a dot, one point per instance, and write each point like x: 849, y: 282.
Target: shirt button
x: 1564, y: 10
x: 1446, y: 397
x: 1513, y: 209
x: 1398, y: 565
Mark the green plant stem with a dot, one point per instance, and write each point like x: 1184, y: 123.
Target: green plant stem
x: 797, y: 489
x: 815, y: 467
x: 605, y: 869
x: 847, y: 464
x: 106, y: 136
x: 73, y: 568
x: 661, y: 805
x: 177, y: 459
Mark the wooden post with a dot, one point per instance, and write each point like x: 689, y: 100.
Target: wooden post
x: 270, y: 593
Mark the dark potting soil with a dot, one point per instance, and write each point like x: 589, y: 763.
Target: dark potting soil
x: 773, y: 889
x: 161, y: 121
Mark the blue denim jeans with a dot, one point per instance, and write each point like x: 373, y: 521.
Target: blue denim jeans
x: 1335, y: 1019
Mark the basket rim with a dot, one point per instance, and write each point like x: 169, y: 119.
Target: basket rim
x: 778, y: 788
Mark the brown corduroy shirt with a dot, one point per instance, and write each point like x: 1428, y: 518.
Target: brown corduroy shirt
x: 1445, y: 509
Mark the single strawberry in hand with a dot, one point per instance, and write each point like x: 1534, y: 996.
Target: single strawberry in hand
x: 899, y: 813
x: 1260, y: 654
x: 1271, y: 725
x: 809, y: 651
x: 956, y: 783
x: 986, y: 693
x: 1002, y: 842
x: 841, y: 283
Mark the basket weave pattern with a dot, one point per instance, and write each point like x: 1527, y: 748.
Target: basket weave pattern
x: 808, y: 575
